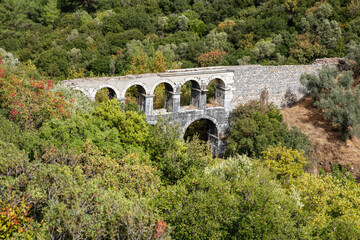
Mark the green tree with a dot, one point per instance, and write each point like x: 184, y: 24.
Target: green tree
x: 286, y: 163
x: 13, y: 16
x: 332, y: 205
x: 255, y: 126
x: 51, y: 13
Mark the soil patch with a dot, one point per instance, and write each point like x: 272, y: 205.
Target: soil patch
x: 328, y: 146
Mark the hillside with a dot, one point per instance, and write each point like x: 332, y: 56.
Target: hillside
x: 328, y: 147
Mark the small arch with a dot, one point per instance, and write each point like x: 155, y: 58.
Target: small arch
x: 77, y: 89
x: 163, y: 97
x: 135, y: 95
x: 105, y: 92
x: 190, y: 94
x: 133, y: 84
x: 190, y: 79
x: 173, y: 85
x: 215, y: 96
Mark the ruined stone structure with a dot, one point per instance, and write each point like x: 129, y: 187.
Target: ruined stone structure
x: 234, y: 85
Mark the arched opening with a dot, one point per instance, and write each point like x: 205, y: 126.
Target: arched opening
x: 206, y: 130
x: 190, y: 95
x: 215, y: 96
x: 163, y: 97
x: 105, y: 94
x: 135, y: 98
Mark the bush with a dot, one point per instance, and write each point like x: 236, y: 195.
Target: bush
x: 332, y: 205
x: 172, y: 156
x: 255, y: 126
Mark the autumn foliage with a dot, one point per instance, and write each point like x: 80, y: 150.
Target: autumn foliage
x: 29, y: 102
x: 211, y: 58
x: 14, y: 218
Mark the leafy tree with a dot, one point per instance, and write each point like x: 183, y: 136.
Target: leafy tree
x: 231, y: 199
x: 255, y: 126
x: 286, y: 163
x: 30, y: 103
x: 264, y: 49
x: 51, y: 12
x: 335, y: 95
x: 354, y: 55
x: 317, y: 22
x: 174, y: 157
x: 331, y: 204
x: 305, y: 48
x: 80, y: 102
x: 13, y: 16
x: 211, y: 58
x: 216, y: 40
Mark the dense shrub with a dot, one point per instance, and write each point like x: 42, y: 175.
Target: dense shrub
x: 255, y: 126
x: 232, y: 199
x: 172, y: 155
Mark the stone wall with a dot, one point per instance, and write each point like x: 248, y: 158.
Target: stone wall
x: 250, y: 81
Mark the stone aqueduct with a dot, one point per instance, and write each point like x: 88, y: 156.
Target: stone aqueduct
x: 234, y: 85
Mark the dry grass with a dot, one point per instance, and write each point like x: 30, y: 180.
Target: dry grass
x: 328, y: 147
x: 212, y: 103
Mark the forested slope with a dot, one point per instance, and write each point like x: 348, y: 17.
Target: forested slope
x: 67, y: 39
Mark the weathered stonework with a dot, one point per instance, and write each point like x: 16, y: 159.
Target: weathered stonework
x: 235, y: 85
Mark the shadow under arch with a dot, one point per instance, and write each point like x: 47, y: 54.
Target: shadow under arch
x: 207, y: 130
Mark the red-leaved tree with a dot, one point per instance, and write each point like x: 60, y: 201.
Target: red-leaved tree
x: 211, y: 58
x: 29, y: 102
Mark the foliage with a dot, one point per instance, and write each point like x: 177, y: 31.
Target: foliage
x: 80, y: 103
x: 354, y: 55
x: 15, y: 221
x: 132, y: 127
x: 232, y: 199
x: 49, y: 32
x: 255, y: 126
x: 211, y: 58
x: 332, y: 205
x: 174, y: 157
x: 104, y: 173
x: 285, y: 163
x: 335, y: 95
x: 30, y: 103
x: 304, y: 49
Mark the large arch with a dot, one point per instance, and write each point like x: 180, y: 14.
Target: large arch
x: 198, y: 118
x: 211, y: 126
